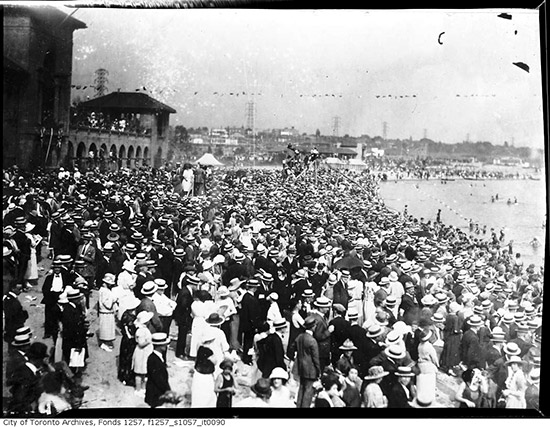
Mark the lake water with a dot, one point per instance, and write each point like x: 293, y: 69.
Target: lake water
x: 462, y: 200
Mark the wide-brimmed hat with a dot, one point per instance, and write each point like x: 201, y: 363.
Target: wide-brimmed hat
x: 130, y: 247
x: 262, y: 388
x: 391, y: 301
x: 129, y: 266
x: 508, y: 318
x: 376, y: 372
x: 322, y: 302
x: 266, y: 277
x: 149, y: 288
x: 384, y: 281
x: 393, y: 277
x: 347, y: 346
x: 252, y: 283
x: 160, y: 338
x: 308, y: 293
x: 396, y: 352
x: 234, y: 284
x: 393, y: 337
x: 374, y: 331
x: 438, y: 318
x: 215, y: 319
x: 113, y: 237
x: 64, y: 259
x: 514, y: 359
x: 73, y: 293
x: 425, y: 335
x: 428, y: 300
x: 109, y: 279
x: 301, y: 273
x: 441, y: 298
x: 309, y: 322
x: 353, y: 314
x: 279, y: 373
x: 143, y: 317
x: 223, y: 291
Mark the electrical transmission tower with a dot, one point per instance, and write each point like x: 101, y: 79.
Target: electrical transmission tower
x: 384, y: 130
x: 250, y: 124
x: 335, y: 125
x: 101, y: 81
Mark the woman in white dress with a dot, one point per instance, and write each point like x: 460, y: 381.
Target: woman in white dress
x: 31, y: 275
x: 188, y: 180
x: 516, y: 384
x: 107, y: 308
x: 203, y: 385
x: 201, y: 308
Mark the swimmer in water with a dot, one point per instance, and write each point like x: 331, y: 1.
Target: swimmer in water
x: 535, y: 242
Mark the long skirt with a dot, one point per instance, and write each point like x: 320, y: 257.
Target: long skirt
x: 450, y: 355
x: 106, y: 326
x: 32, y: 267
x: 139, y: 359
x: 234, y: 332
x: 202, y: 391
x: 125, y: 371
x: 426, y: 383
x: 197, y: 328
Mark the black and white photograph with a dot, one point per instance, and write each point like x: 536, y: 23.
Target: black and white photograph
x: 222, y: 209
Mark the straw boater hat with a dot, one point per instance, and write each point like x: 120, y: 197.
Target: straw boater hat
x: 234, y: 284
x: 73, y: 294
x: 396, y: 352
x: 160, y: 338
x: 376, y: 372
x: 393, y: 276
x: 511, y: 349
x: 347, y: 346
x: 149, y: 288
x: 438, y: 318
x: 129, y: 266
x: 393, y: 337
x: 428, y: 300
x: 475, y: 320
x: 332, y: 279
x: 353, y: 315
x: 252, y: 283
x: 404, y: 371
x: 322, y: 302
x: 279, y: 324
x: 498, y: 334
x: 21, y: 340
x: 161, y: 283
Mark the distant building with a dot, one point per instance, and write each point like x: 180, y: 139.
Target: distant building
x: 38, y: 55
x: 121, y: 129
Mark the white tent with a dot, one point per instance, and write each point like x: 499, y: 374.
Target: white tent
x: 333, y: 161
x: 357, y: 164
x: 208, y: 159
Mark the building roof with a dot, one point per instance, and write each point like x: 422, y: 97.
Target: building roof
x: 127, y: 101
x: 49, y: 15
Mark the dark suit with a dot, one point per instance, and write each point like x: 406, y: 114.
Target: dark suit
x: 233, y: 271
x: 272, y: 354
x: 182, y: 316
x: 74, y: 329
x: 322, y: 335
x: 307, y: 367
x: 14, y: 314
x: 470, y: 350
x: 157, y: 380
x: 50, y: 302
x: 24, y: 388
x: 339, y: 335
x: 397, y: 397
x: 250, y: 319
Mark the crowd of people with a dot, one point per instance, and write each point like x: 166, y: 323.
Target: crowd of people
x: 311, y: 282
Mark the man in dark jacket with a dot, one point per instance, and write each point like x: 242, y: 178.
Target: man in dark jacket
x: 399, y: 394
x: 307, y: 365
x: 182, y: 314
x: 24, y: 245
x: 250, y: 318
x: 14, y: 314
x: 470, y: 347
x: 322, y: 331
x: 157, y: 373
x: 54, y: 284
x: 272, y: 354
x: 341, y: 332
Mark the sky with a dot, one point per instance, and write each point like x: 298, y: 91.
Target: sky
x: 450, y: 74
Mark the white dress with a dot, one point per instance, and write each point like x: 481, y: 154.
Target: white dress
x: 188, y: 180
x: 200, y: 311
x: 32, y: 266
